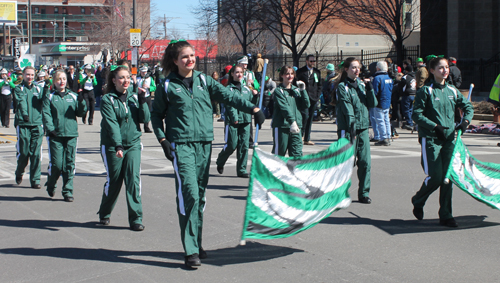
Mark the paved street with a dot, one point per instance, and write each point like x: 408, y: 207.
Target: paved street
x: 49, y: 240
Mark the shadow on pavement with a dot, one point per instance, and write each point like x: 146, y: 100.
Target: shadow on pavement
x: 252, y: 252
x: 16, y: 198
x: 54, y: 225
x: 86, y: 150
x: 100, y: 255
x: 227, y: 187
x: 235, y: 197
x: 401, y: 226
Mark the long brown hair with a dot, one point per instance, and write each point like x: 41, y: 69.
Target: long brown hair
x: 171, y: 53
x: 345, y: 66
x: 284, y: 70
x: 110, y: 86
x: 432, y: 64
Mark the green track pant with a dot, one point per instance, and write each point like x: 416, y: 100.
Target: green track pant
x: 363, y: 159
x: 29, y: 147
x: 237, y: 137
x: 191, y: 165
x: 436, y: 157
x: 118, y: 170
x: 284, y: 141
x: 62, y: 155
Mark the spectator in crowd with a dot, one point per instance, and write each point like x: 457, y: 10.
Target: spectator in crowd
x: 422, y: 74
x: 100, y: 83
x: 312, y: 78
x: 268, y: 102
x: 455, y: 77
x: 72, y: 82
x: 87, y: 83
x: 215, y: 104
x: 146, y: 84
x: 259, y: 67
x: 408, y: 90
x: 382, y: 86
x: 7, y: 86
x: 396, y: 115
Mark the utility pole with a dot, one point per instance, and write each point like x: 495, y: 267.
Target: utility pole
x: 29, y: 25
x: 4, y: 41
x: 165, y: 25
x: 64, y: 29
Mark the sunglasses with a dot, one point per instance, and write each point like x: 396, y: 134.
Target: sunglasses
x: 312, y: 61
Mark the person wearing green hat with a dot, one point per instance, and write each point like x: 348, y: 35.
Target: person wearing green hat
x: 146, y: 84
x: 422, y: 74
x: 7, y: 86
x: 87, y: 84
x: 329, y: 83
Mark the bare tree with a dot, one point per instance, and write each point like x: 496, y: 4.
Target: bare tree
x: 322, y: 38
x: 227, y: 46
x: 242, y: 16
x: 206, y: 25
x: 264, y: 43
x: 294, y: 22
x: 396, y: 19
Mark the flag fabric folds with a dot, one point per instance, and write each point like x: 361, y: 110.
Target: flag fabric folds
x: 289, y: 195
x: 479, y: 179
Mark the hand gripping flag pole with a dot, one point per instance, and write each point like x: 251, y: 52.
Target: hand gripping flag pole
x: 459, y: 133
x: 262, y: 85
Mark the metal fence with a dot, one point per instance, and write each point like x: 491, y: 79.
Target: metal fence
x: 276, y: 61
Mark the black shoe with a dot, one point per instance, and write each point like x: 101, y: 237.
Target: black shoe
x: 51, y: 193
x: 148, y: 131
x: 374, y: 140
x: 418, y: 212
x: 408, y: 127
x: 244, y: 175
x: 203, y: 254
x: 384, y: 142
x: 137, y: 227
x: 84, y: 121
x: 19, y: 180
x: 220, y: 169
x: 69, y: 199
x: 366, y: 200
x: 450, y: 222
x: 104, y: 221
x: 90, y: 123
x: 36, y: 186
x: 192, y: 260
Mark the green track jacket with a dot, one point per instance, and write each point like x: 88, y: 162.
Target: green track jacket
x: 120, y: 120
x: 435, y: 104
x: 353, y: 104
x: 29, y: 101
x: 188, y: 115
x: 234, y: 114
x: 60, y: 111
x: 287, y: 106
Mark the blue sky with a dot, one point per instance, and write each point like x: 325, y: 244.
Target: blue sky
x: 180, y: 9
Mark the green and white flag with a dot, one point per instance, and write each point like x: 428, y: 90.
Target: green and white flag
x: 479, y: 179
x: 289, y: 195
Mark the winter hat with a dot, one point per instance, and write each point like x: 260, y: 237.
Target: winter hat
x: 144, y: 69
x: 87, y: 67
x: 295, y: 68
x: 243, y: 60
x: 227, y: 69
x: 45, y: 68
x: 3, y: 71
x: 330, y: 67
x: 42, y: 74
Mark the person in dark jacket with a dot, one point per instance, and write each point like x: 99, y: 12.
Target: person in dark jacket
x: 312, y: 78
x: 122, y: 112
x: 73, y: 77
x: 183, y: 102
x: 60, y: 109
x: 408, y: 90
x: 455, y: 77
x: 382, y: 86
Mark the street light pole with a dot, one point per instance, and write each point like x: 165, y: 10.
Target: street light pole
x: 29, y: 25
x: 55, y: 26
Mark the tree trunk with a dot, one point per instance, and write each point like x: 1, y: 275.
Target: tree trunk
x: 399, y: 50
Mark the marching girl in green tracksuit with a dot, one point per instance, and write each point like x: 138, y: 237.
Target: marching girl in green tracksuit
x: 183, y: 100
x: 28, y: 122
x: 122, y: 112
x: 60, y: 109
x: 237, y: 130
x: 434, y: 113
x: 354, y: 98
x: 287, y: 120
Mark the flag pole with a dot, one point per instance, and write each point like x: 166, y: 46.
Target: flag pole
x: 266, y: 61
x: 459, y: 133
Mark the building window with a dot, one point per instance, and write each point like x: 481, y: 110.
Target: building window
x: 42, y: 11
x: 37, y: 26
x: 82, y: 10
x: 37, y: 11
x: 347, y: 44
x: 408, y: 21
x: 91, y: 11
x: 83, y: 26
x: 43, y: 26
x: 56, y: 10
x: 65, y: 11
x: 356, y: 43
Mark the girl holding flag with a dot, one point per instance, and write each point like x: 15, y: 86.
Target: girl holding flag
x: 434, y: 113
x: 183, y: 101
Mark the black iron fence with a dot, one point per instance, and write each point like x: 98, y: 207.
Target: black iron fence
x: 276, y: 61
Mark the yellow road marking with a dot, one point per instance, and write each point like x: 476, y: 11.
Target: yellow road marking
x: 9, y: 137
